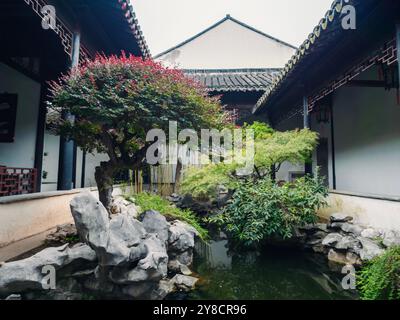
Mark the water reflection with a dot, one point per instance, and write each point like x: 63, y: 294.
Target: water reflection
x: 274, y: 274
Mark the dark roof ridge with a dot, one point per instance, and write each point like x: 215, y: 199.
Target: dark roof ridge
x: 235, y: 70
x: 130, y: 16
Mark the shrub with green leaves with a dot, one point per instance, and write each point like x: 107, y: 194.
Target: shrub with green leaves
x: 272, y: 149
x: 205, y: 182
x: 380, y: 278
x: 264, y: 209
x: 261, y: 130
x: 147, y: 201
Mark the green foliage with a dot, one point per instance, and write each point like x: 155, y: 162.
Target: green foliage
x: 261, y: 130
x: 263, y: 209
x: 380, y: 278
x: 117, y: 100
x: 294, y: 146
x: 148, y: 201
x: 201, y: 182
x: 272, y: 148
x: 72, y: 239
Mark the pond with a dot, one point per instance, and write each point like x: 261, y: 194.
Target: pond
x: 274, y: 274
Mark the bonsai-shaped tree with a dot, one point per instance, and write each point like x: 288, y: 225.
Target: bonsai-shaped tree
x: 116, y: 100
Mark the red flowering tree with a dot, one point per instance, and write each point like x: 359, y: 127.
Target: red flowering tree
x: 117, y: 100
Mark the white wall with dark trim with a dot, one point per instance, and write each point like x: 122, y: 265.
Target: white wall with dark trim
x: 21, y: 153
x: 367, y: 141
x: 229, y: 46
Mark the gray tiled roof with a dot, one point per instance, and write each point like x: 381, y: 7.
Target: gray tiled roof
x: 228, y: 80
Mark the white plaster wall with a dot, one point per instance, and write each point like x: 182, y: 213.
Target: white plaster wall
x: 27, y: 216
x: 51, y: 151
x: 79, y: 156
x: 24, y: 219
x: 51, y: 159
x: 367, y: 141
x: 92, y: 161
x: 21, y: 153
x: 229, y: 46
x: 375, y: 213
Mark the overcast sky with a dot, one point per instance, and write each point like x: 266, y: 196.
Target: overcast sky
x: 165, y: 23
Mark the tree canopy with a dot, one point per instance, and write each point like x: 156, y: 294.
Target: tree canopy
x: 115, y: 101
x: 271, y: 149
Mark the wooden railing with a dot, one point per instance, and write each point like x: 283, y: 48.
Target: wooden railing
x: 15, y: 181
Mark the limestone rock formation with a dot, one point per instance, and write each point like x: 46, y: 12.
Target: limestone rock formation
x: 122, y: 206
x: 119, y: 257
x: 28, y: 274
x: 370, y: 249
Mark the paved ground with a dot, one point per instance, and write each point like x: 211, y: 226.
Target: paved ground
x: 19, y: 248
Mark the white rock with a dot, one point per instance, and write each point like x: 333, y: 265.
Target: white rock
x: 26, y: 275
x: 133, y: 211
x: 156, y: 223
x: 185, y: 283
x: 332, y: 239
x: 181, y: 236
x: 391, y: 238
x: 115, y: 242
x: 185, y: 270
x: 352, y: 228
x: 343, y: 258
x: 370, y: 233
x: 153, y: 267
x: 370, y: 249
x: 340, y: 217
x: 348, y: 243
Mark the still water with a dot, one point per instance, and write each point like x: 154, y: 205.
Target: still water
x: 274, y: 274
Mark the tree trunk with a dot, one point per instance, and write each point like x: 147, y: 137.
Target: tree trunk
x: 273, y: 173
x: 178, y: 173
x: 105, y: 181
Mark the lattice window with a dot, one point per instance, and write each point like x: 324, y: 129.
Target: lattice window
x: 16, y: 181
x: 64, y: 33
x: 386, y: 55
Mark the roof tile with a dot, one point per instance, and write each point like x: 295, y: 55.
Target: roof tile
x: 228, y: 80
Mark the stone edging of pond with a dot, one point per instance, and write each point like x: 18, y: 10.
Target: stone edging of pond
x: 345, y: 242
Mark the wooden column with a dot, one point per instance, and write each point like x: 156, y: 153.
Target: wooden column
x: 333, y: 146
x: 66, y: 160
x: 40, y: 131
x: 307, y: 125
x: 306, y: 113
x: 83, y: 173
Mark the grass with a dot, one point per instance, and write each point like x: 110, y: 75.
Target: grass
x: 148, y: 201
x: 380, y: 278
